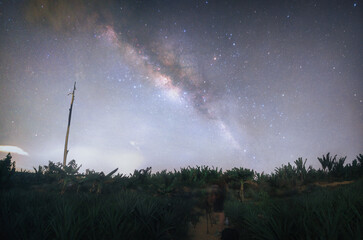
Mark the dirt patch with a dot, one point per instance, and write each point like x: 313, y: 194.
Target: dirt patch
x: 200, y: 230
x: 332, y: 184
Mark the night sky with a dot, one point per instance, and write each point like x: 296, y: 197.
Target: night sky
x: 168, y: 84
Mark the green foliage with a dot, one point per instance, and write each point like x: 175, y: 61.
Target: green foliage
x: 236, y: 175
x: 54, y: 171
x: 72, y: 168
x: 7, y: 169
x: 95, y: 182
x: 199, y: 176
x: 124, y: 215
x: 360, y: 160
x: 140, y: 177
x: 165, y: 183
x: 358, y: 168
x: 284, y: 177
x: 257, y: 195
x: 58, y: 202
x: 325, y: 214
x: 327, y: 162
x: 301, y: 168
x: 334, y: 168
x: 338, y: 168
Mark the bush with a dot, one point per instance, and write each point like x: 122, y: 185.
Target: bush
x: 7, y: 169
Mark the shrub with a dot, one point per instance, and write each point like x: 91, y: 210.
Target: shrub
x: 7, y: 169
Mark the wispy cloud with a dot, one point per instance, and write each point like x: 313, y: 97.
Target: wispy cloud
x: 12, y: 149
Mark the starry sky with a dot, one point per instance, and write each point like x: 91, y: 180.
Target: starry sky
x: 168, y: 84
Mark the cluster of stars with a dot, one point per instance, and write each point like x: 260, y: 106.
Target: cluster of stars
x: 233, y: 80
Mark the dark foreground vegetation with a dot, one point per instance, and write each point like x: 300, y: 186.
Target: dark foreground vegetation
x: 293, y: 202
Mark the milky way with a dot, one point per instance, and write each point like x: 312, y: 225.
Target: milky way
x: 167, y: 73
x: 169, y: 84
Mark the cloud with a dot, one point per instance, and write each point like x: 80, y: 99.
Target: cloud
x: 12, y: 149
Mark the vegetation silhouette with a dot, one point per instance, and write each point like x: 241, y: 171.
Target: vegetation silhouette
x: 293, y: 202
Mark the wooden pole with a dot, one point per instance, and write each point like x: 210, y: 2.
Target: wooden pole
x: 69, y: 125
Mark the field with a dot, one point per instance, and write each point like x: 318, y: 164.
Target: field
x: 293, y: 202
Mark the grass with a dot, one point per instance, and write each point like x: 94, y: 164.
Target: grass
x: 60, y: 203
x: 323, y: 214
x: 124, y: 215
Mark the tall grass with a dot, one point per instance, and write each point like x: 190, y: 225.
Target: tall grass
x: 124, y: 215
x: 57, y: 203
x: 324, y: 214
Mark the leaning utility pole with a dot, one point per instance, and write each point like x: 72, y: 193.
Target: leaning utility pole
x: 69, y: 124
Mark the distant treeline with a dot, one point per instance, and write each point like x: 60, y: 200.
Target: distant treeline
x: 288, y: 176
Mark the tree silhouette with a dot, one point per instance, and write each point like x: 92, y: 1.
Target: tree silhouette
x: 7, y: 169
